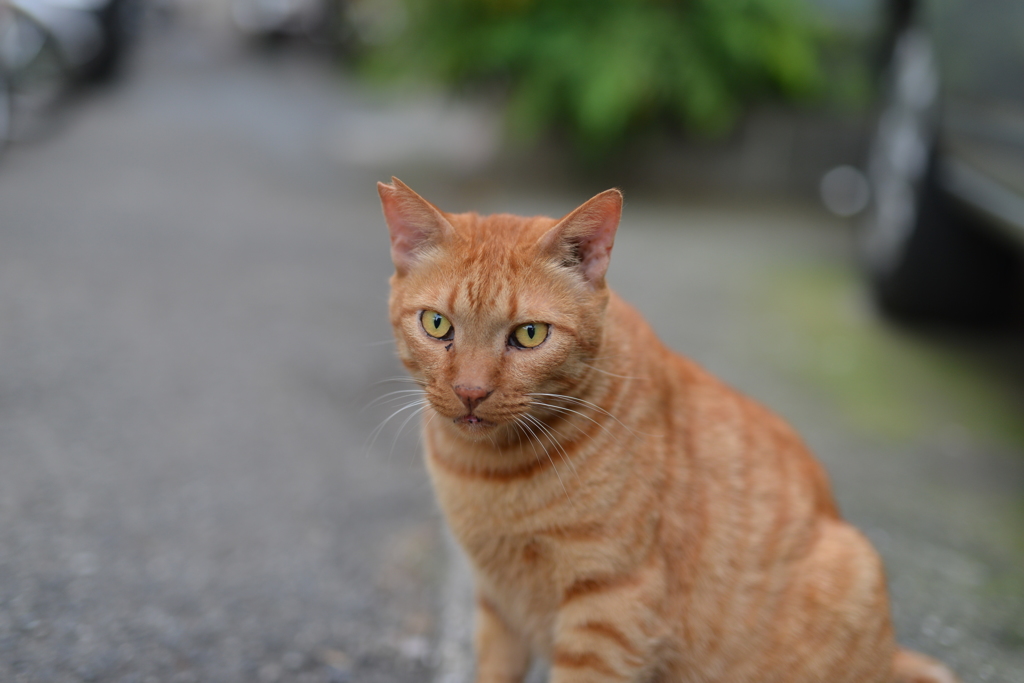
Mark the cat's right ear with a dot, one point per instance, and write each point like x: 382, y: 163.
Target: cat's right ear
x: 414, y: 223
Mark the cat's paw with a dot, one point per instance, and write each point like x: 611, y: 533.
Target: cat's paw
x: 913, y: 667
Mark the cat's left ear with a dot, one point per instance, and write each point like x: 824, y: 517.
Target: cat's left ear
x: 415, y: 224
x: 585, y: 237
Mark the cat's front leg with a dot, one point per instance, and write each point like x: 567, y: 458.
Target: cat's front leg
x: 502, y: 656
x: 600, y: 652
x: 610, y: 632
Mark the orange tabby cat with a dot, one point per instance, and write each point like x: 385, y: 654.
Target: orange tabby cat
x: 628, y: 517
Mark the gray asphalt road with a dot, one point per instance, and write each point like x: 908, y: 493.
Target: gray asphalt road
x: 190, y: 287
x: 192, y: 327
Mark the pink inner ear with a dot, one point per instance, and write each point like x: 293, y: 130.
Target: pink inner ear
x: 413, y: 223
x: 592, y: 228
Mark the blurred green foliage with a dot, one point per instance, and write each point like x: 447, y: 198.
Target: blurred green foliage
x: 601, y: 70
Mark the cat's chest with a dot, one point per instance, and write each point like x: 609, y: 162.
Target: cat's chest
x: 504, y: 527
x: 522, y: 577
x: 507, y: 541
x: 516, y: 504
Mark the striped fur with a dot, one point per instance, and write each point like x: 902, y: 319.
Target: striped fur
x: 627, y: 515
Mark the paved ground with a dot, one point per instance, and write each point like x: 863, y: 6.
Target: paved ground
x: 190, y: 292
x: 192, y: 306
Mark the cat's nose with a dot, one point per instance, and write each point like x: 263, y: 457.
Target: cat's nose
x: 471, y: 396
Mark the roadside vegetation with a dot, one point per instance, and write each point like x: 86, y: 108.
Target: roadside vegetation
x: 600, y: 72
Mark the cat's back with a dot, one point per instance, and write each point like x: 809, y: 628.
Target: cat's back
x: 756, y: 548
x: 743, y: 487
x: 712, y: 429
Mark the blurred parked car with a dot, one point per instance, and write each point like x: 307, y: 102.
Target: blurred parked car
x: 47, y: 44
x: 83, y: 39
x: 6, y: 107
x: 318, y: 21
x: 276, y: 17
x: 944, y: 236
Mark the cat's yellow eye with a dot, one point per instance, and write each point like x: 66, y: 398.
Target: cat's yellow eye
x: 530, y: 335
x: 436, y: 325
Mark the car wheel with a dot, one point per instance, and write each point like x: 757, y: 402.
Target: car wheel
x: 924, y: 258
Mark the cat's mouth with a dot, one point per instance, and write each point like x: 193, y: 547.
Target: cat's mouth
x: 472, y: 421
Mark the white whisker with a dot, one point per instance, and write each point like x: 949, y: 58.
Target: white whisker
x: 549, y: 432
x: 563, y: 409
x: 614, y: 355
x: 531, y: 435
x: 420, y: 432
x: 519, y: 435
x: 433, y: 414
x: 612, y: 374
x: 404, y: 378
x: 398, y: 395
x: 413, y: 414
x: 376, y: 432
x: 581, y: 401
x: 522, y: 428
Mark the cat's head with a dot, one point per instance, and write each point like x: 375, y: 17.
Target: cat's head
x: 489, y: 312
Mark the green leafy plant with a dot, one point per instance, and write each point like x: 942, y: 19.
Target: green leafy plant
x: 603, y: 69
